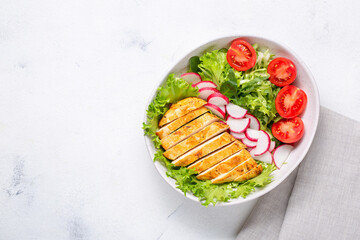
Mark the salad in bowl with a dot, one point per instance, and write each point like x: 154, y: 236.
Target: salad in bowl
x: 227, y: 120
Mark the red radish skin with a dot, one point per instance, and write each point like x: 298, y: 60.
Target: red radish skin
x: 281, y: 154
x: 252, y: 134
x: 238, y: 125
x: 254, y: 122
x: 263, y: 143
x: 249, y: 143
x: 191, y: 77
x: 204, y: 84
x: 238, y: 135
x: 215, y: 109
x: 265, y: 157
x: 235, y: 111
x: 223, y: 108
x: 204, y: 93
x: 272, y: 146
x: 218, y: 99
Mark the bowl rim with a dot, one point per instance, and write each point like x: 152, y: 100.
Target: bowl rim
x: 283, y: 177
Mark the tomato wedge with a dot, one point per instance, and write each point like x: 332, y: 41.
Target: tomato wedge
x: 241, y: 55
x: 290, y: 101
x: 282, y: 71
x: 288, y: 130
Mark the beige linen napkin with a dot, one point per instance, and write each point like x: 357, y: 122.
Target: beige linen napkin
x: 321, y: 201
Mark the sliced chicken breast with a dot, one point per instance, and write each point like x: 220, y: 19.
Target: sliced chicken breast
x: 209, y: 132
x: 251, y: 174
x: 181, y: 108
x: 236, y: 172
x: 189, y: 129
x: 171, y: 127
x: 225, y: 166
x: 204, y: 149
x: 218, y: 156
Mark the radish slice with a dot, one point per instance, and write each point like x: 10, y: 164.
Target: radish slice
x: 272, y: 146
x: 215, y: 109
x: 254, y: 122
x: 281, y: 153
x: 218, y: 99
x: 263, y: 143
x: 204, y: 84
x: 238, y: 125
x: 223, y: 108
x: 265, y: 157
x: 252, y: 134
x: 238, y: 135
x: 249, y: 143
x: 235, y: 111
x: 204, y: 93
x: 222, y: 122
x: 191, y: 77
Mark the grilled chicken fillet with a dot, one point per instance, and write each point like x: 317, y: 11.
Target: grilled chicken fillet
x: 195, y: 138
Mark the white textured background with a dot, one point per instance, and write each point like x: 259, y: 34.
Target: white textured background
x: 74, y: 80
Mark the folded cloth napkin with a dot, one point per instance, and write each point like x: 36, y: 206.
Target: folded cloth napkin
x: 321, y: 200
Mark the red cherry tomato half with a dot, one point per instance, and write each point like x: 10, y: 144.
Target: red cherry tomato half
x: 282, y: 71
x: 290, y: 101
x: 241, y: 55
x: 288, y: 130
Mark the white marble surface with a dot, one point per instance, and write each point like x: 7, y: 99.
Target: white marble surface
x: 74, y: 80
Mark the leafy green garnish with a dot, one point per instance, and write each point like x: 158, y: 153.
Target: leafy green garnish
x: 230, y: 87
x: 174, y: 90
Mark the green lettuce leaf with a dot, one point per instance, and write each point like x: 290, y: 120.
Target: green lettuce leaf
x: 214, y: 66
x: 229, y: 88
x: 194, y: 64
x: 174, y: 90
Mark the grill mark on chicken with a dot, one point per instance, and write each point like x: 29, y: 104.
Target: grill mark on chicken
x: 216, y: 157
x: 188, y: 130
x: 204, y: 149
x: 207, y: 133
x: 180, y: 109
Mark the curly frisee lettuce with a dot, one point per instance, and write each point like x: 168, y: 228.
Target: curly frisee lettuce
x: 174, y: 90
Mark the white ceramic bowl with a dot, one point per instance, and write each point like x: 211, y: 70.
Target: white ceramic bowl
x: 310, y: 116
